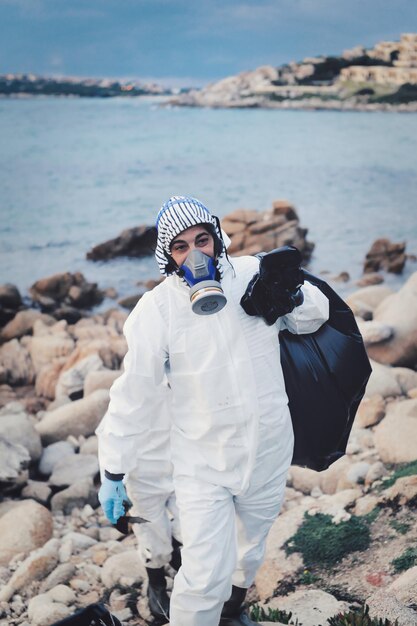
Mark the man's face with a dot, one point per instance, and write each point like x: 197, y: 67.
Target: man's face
x: 193, y: 238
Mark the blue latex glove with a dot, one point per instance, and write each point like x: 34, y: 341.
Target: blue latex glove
x: 112, y: 494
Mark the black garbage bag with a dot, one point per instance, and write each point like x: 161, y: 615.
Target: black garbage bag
x: 325, y: 375
x: 92, y: 615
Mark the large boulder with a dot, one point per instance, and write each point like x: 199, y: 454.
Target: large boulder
x: 365, y: 300
x: 10, y: 301
x: 71, y: 379
x: 309, y: 606
x: 251, y: 231
x: 36, y: 566
x: 77, y: 495
x: 384, y: 605
x: 123, y: 568
x: 14, y: 459
x: 101, y: 379
x: 382, y: 382
x: 396, y: 436
x: 73, y: 469
x: 132, y: 242
x: 385, y: 255
x: 398, y: 312
x: 16, y: 367
x: 53, y: 454
x: 65, y: 289
x: 17, y: 426
x: 22, y: 324
x: 49, y: 343
x: 80, y: 417
x: 23, y: 529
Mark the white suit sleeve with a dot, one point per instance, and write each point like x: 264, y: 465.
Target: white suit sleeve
x: 137, y: 395
x: 309, y: 316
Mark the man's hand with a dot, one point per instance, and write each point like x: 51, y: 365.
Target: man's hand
x: 112, y: 495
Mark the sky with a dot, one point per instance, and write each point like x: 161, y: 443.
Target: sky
x: 187, y: 42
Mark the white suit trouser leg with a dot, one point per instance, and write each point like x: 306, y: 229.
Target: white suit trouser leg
x: 156, y: 503
x: 223, y: 537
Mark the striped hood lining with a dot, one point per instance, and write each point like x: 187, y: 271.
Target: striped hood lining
x: 175, y: 216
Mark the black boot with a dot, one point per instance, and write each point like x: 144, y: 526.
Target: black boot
x: 234, y: 612
x: 175, y: 561
x: 158, y: 599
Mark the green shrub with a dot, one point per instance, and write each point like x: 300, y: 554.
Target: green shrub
x: 258, y: 613
x: 400, y: 527
x: 321, y: 541
x: 406, y: 560
x: 408, y: 469
x: 358, y: 618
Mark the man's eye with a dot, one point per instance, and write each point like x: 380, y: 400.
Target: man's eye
x: 203, y: 241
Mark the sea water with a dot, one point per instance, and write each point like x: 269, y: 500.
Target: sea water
x: 76, y: 172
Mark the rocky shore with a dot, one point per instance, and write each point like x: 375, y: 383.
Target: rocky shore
x: 32, y: 85
x: 345, y: 537
x: 383, y: 78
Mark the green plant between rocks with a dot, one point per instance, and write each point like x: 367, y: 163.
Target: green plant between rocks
x: 406, y: 469
x: 407, y: 559
x: 320, y: 541
x: 274, y: 615
x: 359, y: 618
x: 401, y: 527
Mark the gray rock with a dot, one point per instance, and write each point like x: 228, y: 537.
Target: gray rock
x: 72, y: 469
x: 53, y: 454
x: 357, y: 472
x: 75, y: 496
x: 22, y: 324
x: 81, y: 417
x: 382, y: 382
x: 14, y: 459
x: 90, y: 446
x: 23, y: 529
x: 43, y: 611
x: 368, y: 297
x: 383, y: 605
x: 310, y: 606
x: 79, y: 542
x: 17, y: 426
x: 396, y: 311
x: 62, y: 574
x: 376, y: 471
x: 71, y: 380
x: 16, y: 366
x: 371, y: 411
x: 102, y: 379
x: 396, y: 436
x: 375, y: 332
x: 36, y: 567
x: 37, y: 490
x: 119, y: 567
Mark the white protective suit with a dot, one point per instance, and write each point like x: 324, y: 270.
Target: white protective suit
x: 150, y: 488
x: 231, y: 434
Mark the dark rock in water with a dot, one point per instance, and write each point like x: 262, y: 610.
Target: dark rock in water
x: 132, y: 242
x: 385, y: 255
x: 10, y: 297
x: 68, y: 289
x: 252, y: 231
x: 130, y: 301
x: 10, y: 302
x: 68, y: 313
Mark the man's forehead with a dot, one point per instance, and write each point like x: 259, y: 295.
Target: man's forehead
x: 191, y: 232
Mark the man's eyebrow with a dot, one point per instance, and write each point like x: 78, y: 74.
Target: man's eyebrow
x: 178, y: 241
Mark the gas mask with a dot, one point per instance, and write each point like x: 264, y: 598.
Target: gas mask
x: 206, y: 294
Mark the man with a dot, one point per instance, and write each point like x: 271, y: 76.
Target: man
x: 231, y: 432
